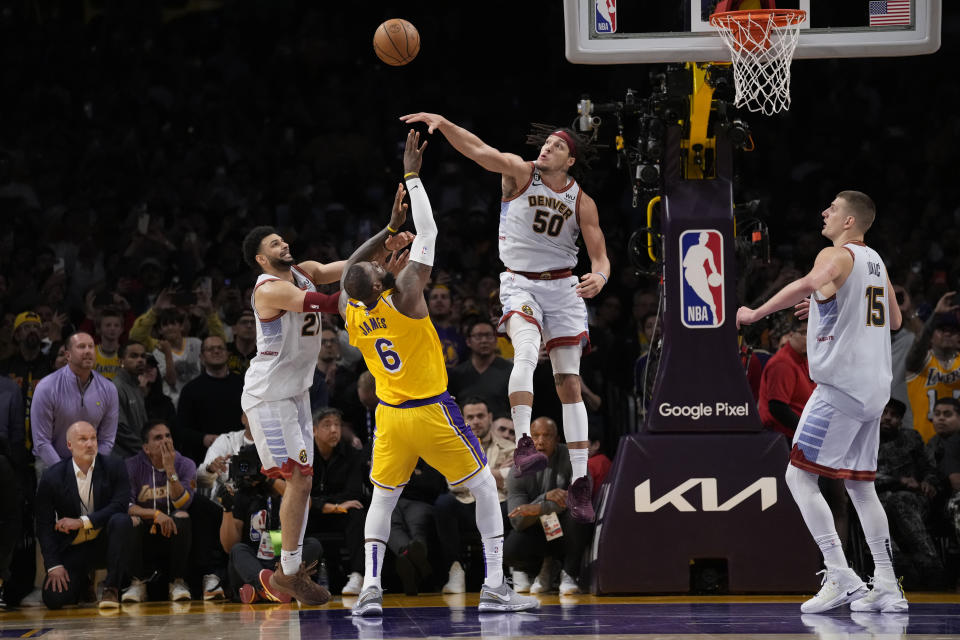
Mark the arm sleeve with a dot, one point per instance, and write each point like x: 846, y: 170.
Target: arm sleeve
x: 423, y: 245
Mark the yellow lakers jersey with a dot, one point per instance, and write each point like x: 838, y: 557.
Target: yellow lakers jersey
x: 105, y: 365
x: 404, y: 355
x: 935, y: 380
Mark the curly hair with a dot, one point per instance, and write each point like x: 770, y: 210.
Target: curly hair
x: 585, y: 154
x: 251, y: 244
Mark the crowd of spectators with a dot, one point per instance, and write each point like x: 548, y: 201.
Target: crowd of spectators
x: 138, y: 146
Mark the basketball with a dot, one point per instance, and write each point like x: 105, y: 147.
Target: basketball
x: 396, y: 42
x: 714, y: 280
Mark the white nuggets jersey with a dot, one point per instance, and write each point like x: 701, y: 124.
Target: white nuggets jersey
x: 848, y: 338
x: 287, y: 349
x: 539, y: 227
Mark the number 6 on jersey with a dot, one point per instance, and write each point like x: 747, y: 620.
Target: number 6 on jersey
x: 390, y: 358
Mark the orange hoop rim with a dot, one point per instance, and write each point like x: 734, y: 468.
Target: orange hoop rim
x: 779, y: 17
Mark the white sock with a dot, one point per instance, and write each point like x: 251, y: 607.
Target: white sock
x: 373, y: 551
x: 882, y: 558
x: 832, y: 551
x: 521, y: 419
x: 290, y: 560
x: 578, y: 460
x: 493, y: 561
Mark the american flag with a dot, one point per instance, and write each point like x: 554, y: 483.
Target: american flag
x: 886, y: 12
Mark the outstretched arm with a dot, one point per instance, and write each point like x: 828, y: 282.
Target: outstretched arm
x: 473, y: 147
x: 414, y: 277
x: 832, y: 264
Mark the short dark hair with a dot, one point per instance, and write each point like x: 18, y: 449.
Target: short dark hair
x: 862, y: 207
x: 357, y: 283
x: 476, y: 400
x: 122, y: 352
x: 150, y: 426
x: 169, y: 316
x: 585, y: 154
x: 111, y: 312
x: 897, y: 407
x: 953, y: 402
x: 251, y: 244
x: 324, y: 412
x: 484, y: 322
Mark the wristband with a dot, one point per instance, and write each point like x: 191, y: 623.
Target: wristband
x: 602, y: 276
x: 411, y: 173
x: 391, y: 229
x: 156, y: 514
x: 316, y: 301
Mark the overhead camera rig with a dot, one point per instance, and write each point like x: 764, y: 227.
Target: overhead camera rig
x: 698, y: 98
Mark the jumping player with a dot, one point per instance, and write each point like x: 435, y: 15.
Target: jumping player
x: 851, y: 313
x: 543, y: 212
x: 417, y: 418
x: 276, y: 397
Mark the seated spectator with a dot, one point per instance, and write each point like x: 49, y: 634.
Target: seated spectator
x: 75, y: 393
x: 161, y: 490
x: 337, y: 493
x: 132, y: 409
x: 598, y: 464
x: 943, y: 450
x: 785, y: 384
x: 456, y: 509
x: 440, y: 305
x: 214, y: 472
x: 252, y: 512
x: 82, y: 522
x: 411, y: 523
x: 484, y: 373
x: 159, y: 405
x: 333, y: 381
x: 210, y: 403
x: 178, y: 355
x: 545, y: 493
x: 243, y: 346
x: 906, y: 483
x: 503, y: 428
x: 109, y: 330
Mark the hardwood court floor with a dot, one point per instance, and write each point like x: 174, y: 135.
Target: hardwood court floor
x: 435, y: 616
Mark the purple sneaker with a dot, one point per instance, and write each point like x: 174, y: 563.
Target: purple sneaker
x: 580, y: 500
x: 526, y: 458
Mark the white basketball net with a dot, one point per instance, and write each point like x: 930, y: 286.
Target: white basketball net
x: 761, y: 46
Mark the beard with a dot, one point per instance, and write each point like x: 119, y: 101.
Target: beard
x: 888, y: 433
x: 389, y: 281
x: 32, y: 340
x: 280, y: 264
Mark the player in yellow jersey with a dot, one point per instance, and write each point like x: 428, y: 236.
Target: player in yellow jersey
x: 388, y: 320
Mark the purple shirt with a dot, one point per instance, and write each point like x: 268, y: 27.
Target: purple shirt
x: 149, y: 487
x: 58, y: 403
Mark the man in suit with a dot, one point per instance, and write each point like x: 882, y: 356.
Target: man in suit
x: 82, y: 521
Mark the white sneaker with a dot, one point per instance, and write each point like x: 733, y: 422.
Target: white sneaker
x: 136, y: 592
x: 457, y: 582
x: 568, y: 586
x: 179, y: 591
x: 544, y: 580
x: 212, y: 589
x: 885, y: 596
x: 521, y: 582
x: 33, y: 599
x: 839, y: 587
x: 354, y: 585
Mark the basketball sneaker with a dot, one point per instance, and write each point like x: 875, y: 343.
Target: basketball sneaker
x: 370, y: 602
x: 503, y: 598
x: 885, y: 596
x: 580, y: 500
x: 526, y: 458
x: 839, y: 586
x: 300, y: 585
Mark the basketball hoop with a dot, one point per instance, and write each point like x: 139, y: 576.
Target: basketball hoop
x: 761, y: 44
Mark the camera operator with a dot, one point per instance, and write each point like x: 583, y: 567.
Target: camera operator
x: 251, y: 511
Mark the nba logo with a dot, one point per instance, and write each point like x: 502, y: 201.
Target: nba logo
x: 606, y: 20
x: 701, y: 278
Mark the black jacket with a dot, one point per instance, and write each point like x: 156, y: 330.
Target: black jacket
x: 338, y: 479
x: 57, y: 497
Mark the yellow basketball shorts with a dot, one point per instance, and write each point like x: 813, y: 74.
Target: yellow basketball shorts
x: 430, y: 428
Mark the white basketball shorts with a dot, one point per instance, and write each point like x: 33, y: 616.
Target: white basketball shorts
x: 283, y: 433
x: 552, y: 305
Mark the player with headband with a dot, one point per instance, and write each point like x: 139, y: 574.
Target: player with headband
x: 542, y: 213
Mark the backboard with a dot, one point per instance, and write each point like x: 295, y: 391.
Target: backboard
x: 632, y: 31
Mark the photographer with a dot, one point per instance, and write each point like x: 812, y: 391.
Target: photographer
x: 252, y: 510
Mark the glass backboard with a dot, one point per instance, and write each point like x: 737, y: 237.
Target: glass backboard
x: 637, y: 31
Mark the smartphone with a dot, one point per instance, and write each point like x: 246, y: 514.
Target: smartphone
x: 58, y: 265
x: 185, y: 298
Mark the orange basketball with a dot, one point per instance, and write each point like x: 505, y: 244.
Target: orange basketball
x: 396, y: 42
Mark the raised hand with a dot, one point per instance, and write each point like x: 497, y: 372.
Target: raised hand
x: 398, y: 215
x: 432, y: 120
x: 413, y: 154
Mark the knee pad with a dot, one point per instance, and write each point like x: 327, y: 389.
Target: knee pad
x: 525, y: 337
x: 566, y: 359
